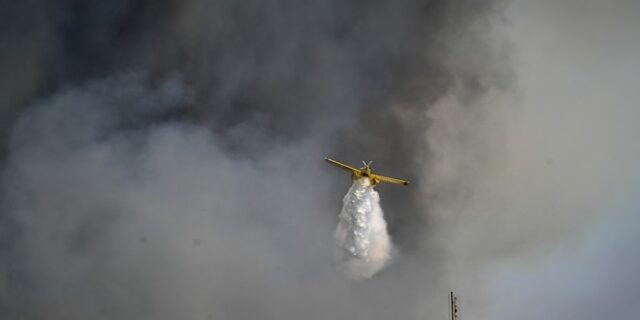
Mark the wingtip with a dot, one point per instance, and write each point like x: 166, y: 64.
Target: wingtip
x: 406, y: 183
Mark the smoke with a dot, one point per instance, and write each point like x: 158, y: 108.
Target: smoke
x: 113, y: 211
x: 363, y: 244
x: 162, y: 159
x: 573, y: 164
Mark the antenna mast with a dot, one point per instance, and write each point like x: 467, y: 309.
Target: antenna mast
x: 453, y: 306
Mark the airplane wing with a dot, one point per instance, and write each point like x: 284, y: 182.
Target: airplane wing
x: 390, y: 180
x: 342, y: 165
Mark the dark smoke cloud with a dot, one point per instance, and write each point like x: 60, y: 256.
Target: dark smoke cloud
x: 162, y: 158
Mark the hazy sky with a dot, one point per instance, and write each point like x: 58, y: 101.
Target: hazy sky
x: 578, y: 71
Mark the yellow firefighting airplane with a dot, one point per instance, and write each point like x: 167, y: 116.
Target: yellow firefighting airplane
x: 366, y: 171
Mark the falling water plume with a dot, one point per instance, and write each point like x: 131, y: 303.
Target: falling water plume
x: 363, y: 244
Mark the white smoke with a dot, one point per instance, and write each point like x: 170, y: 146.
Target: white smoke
x: 363, y: 244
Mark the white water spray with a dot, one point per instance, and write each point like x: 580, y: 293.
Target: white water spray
x: 363, y: 244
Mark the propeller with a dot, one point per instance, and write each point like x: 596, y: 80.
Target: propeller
x: 366, y: 165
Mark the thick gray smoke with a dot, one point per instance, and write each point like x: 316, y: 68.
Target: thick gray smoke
x: 363, y: 244
x: 162, y: 159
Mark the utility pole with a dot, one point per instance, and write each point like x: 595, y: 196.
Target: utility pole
x: 453, y: 306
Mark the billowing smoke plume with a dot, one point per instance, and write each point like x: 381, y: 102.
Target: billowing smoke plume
x: 363, y: 244
x: 161, y: 159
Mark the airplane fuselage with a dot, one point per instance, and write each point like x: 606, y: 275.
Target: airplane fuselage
x: 372, y: 181
x: 366, y: 172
